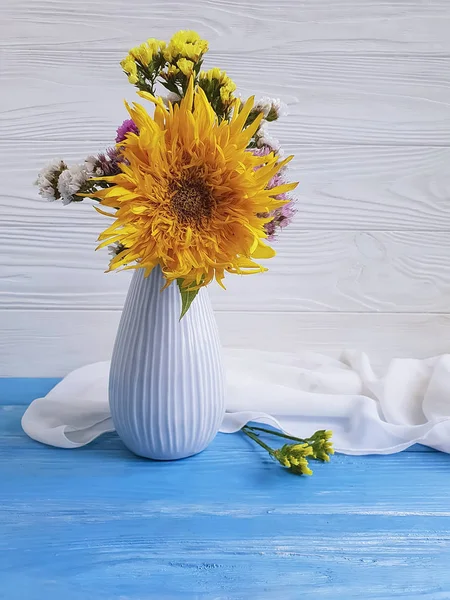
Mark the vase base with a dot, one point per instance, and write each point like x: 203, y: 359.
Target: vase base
x: 163, y: 456
x: 168, y: 459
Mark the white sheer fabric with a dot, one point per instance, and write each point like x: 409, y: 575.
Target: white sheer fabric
x: 410, y: 403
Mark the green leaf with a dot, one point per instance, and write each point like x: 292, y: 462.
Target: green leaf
x: 197, y: 67
x: 187, y: 297
x: 169, y: 85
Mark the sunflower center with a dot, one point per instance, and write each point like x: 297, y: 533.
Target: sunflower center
x: 192, y: 201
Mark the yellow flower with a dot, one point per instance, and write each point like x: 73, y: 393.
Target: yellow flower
x: 321, y: 445
x: 294, y: 457
x: 185, y: 44
x: 170, y: 72
x: 219, y: 81
x: 186, y: 66
x: 214, y: 74
x: 147, y: 51
x: 226, y: 91
x: 190, y: 193
x: 128, y: 64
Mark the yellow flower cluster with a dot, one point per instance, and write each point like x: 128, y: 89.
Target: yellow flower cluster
x: 321, y: 445
x: 172, y: 70
x: 128, y: 64
x: 147, y: 51
x: 185, y: 44
x: 294, y: 457
x: 142, y: 55
x: 185, y: 66
x: 174, y: 64
x: 183, y: 52
x: 221, y: 80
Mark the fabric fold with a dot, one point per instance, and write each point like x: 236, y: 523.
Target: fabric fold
x: 295, y: 393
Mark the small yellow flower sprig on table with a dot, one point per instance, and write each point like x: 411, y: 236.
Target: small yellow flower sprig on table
x: 295, y: 456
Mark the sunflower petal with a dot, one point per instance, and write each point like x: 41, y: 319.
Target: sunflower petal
x: 263, y: 251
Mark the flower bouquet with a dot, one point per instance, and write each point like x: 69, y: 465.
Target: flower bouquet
x: 195, y: 187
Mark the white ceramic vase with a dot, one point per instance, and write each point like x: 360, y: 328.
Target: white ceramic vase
x: 166, y: 386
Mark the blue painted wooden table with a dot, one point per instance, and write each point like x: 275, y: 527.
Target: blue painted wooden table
x: 100, y: 524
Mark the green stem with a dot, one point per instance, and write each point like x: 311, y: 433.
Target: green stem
x: 277, y: 433
x: 255, y: 438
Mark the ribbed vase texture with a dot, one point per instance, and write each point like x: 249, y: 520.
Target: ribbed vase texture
x: 166, y: 385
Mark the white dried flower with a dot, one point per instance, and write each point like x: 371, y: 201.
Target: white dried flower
x: 46, y: 189
x: 47, y: 179
x: 115, y: 249
x: 279, y: 108
x: 272, y: 108
x: 92, y: 166
x: 71, y: 181
x: 263, y: 105
x: 263, y: 138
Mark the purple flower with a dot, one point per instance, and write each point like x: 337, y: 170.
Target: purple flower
x: 109, y: 162
x: 281, y: 217
x: 263, y: 151
x: 105, y: 163
x: 128, y: 126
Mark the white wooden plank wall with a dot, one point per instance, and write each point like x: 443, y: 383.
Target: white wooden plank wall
x: 367, y: 262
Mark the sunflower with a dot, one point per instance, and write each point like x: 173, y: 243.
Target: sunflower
x: 190, y: 195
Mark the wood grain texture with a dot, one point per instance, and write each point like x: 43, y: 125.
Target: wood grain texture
x: 366, y: 261
x: 333, y: 98
x: 320, y: 271
x: 49, y: 343
x: 118, y: 526
x: 398, y: 25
